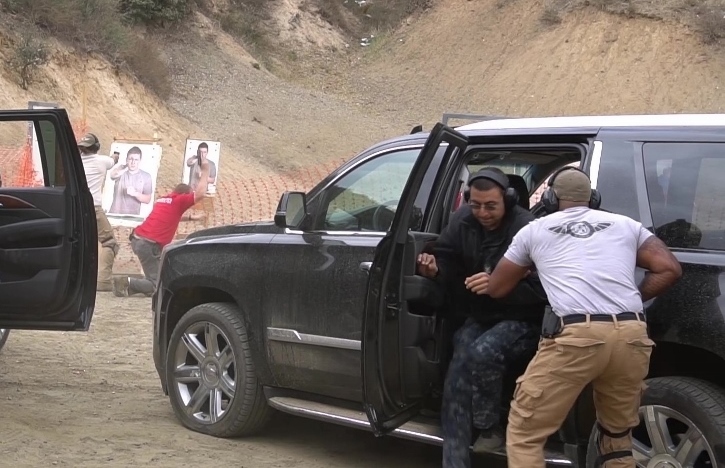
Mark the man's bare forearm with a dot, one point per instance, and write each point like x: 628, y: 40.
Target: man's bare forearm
x: 664, y: 269
x: 655, y: 284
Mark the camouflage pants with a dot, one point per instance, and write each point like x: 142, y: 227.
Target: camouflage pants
x: 473, y: 385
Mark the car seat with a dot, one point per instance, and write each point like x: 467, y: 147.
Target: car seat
x: 519, y: 184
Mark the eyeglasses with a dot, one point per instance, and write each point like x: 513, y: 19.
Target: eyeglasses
x: 488, y: 206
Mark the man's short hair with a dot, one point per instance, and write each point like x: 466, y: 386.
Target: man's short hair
x: 483, y: 185
x: 135, y: 150
x: 182, y: 188
x: 203, y: 145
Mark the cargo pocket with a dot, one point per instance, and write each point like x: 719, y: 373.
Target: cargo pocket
x: 525, y: 401
x: 574, y: 359
x: 639, y: 352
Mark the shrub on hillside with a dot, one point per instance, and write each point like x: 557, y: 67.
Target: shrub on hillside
x: 144, y: 61
x: 96, y: 26
x: 155, y: 12
x: 29, y: 54
x: 245, y: 20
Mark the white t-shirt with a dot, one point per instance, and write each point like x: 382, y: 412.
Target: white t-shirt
x: 585, y: 259
x: 96, y: 166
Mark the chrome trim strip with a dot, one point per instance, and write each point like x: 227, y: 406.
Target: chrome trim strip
x: 596, y: 161
x: 412, y: 430
x: 293, y: 336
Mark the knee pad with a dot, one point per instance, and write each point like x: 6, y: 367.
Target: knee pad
x: 603, y: 458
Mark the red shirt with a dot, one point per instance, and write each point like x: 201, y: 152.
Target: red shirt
x: 161, y: 224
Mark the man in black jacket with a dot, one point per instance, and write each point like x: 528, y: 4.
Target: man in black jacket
x: 495, y: 332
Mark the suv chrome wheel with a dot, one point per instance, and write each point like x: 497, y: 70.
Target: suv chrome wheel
x: 681, y: 425
x: 210, y: 373
x: 666, y: 438
x: 204, y: 372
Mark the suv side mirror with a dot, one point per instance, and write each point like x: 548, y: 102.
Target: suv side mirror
x: 291, y: 210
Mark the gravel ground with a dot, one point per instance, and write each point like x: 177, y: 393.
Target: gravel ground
x: 93, y: 399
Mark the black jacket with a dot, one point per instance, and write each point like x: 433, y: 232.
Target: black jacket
x: 465, y: 248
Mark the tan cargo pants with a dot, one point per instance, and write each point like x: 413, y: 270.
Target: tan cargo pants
x: 613, y: 356
x: 107, y: 253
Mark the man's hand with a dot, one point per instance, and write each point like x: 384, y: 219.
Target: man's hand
x: 478, y: 283
x: 427, y: 265
x: 204, y: 164
x: 131, y: 192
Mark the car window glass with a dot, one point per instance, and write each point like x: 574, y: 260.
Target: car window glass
x: 686, y: 193
x: 21, y: 145
x: 365, y: 198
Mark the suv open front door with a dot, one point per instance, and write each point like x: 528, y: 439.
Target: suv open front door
x: 392, y: 391
x: 48, y: 238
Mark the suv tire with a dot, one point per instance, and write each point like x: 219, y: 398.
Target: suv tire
x: 701, y: 402
x: 194, y: 372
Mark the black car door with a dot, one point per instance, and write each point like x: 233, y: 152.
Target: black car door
x: 396, y: 369
x: 48, y: 240
x: 314, y: 306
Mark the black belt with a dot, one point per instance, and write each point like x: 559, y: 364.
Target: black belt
x: 581, y: 318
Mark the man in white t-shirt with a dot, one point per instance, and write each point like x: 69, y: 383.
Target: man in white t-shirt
x: 596, y: 330
x: 96, y: 166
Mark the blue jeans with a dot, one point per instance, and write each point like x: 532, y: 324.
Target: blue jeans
x: 474, y: 381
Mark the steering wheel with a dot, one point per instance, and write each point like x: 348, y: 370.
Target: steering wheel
x: 378, y: 214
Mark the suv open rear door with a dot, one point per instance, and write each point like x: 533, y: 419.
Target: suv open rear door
x: 48, y: 239
x: 392, y: 391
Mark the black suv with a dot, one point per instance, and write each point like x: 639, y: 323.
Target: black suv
x: 320, y: 313
x: 48, y: 238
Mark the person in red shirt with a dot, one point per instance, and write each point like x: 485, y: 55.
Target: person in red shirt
x: 157, y: 231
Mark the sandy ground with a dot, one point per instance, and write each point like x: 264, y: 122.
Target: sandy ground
x: 93, y: 399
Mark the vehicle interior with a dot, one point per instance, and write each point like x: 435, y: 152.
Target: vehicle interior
x: 685, y: 196
x: 428, y: 325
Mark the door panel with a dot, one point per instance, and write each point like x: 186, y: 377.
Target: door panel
x: 48, y: 246
x: 313, y: 314
x: 399, y: 363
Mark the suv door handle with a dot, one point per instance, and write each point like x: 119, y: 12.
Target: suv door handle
x: 365, y: 266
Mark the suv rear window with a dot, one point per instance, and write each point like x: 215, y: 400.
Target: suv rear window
x: 686, y: 193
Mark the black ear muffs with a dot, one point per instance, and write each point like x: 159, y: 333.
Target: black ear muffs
x: 510, y: 195
x: 551, y: 201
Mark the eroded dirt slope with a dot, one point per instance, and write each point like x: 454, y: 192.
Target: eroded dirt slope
x: 496, y: 57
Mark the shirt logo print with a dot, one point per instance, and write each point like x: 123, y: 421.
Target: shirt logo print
x: 580, y: 229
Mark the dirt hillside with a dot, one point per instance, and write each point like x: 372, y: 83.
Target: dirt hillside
x: 498, y: 57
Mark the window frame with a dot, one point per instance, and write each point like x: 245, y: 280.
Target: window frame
x: 656, y: 155
x: 316, y: 205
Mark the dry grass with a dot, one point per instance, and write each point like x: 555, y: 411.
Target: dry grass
x: 95, y: 26
x: 144, y: 60
x: 707, y: 17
